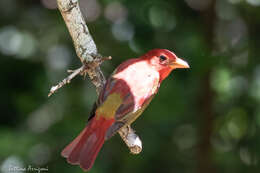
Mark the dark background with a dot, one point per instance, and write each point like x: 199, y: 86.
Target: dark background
x: 204, y: 119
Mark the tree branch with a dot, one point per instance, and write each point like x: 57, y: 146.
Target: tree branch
x: 66, y: 80
x: 86, y: 50
x: 131, y: 139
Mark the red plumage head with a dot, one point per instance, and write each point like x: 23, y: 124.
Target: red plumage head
x: 164, y: 61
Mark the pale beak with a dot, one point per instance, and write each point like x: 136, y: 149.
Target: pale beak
x: 179, y: 63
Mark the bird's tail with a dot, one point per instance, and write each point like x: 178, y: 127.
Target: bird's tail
x: 84, y: 149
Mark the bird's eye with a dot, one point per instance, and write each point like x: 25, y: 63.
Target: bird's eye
x: 162, y: 58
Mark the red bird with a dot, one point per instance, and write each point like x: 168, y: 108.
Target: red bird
x: 126, y: 94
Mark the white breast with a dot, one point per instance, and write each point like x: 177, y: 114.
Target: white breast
x: 142, y: 79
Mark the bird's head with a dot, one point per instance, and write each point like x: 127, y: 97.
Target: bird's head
x: 164, y: 61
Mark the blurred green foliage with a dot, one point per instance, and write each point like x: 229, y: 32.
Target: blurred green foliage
x: 203, y: 119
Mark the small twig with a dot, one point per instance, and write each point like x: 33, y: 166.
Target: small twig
x: 67, y: 80
x: 83, y: 70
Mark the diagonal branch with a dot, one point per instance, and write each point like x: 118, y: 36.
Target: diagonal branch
x: 66, y: 80
x: 87, y: 52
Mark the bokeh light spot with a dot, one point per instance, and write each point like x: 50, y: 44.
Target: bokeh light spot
x: 14, y: 42
x: 185, y: 137
x: 10, y: 40
x: 40, y: 154
x: 12, y: 164
x: 115, y: 11
x: 225, y: 10
x: 123, y: 30
x: 237, y: 123
x: 253, y: 2
x: 161, y: 18
x: 247, y: 157
x: 91, y: 9
x: 58, y: 57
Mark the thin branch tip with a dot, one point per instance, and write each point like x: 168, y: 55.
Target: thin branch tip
x: 107, y: 58
x: 67, y: 80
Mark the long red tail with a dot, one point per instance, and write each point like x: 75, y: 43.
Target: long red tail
x: 84, y: 149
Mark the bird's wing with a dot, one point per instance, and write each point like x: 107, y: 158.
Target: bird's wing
x: 126, y: 113
x: 136, y: 89
x: 134, y: 102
